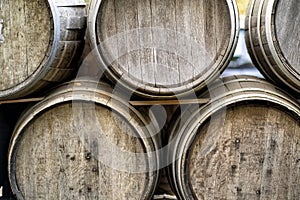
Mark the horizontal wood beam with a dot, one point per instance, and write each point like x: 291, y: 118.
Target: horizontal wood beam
x: 133, y: 103
x: 21, y: 100
x: 169, y: 102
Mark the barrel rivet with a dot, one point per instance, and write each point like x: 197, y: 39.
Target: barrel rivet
x: 2, y: 39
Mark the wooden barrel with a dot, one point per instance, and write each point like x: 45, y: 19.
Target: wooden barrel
x: 38, y: 42
x: 244, y: 144
x: 83, y: 142
x: 163, y: 49
x: 272, y: 35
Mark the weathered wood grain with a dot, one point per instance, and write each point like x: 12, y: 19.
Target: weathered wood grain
x: 42, y: 39
x: 272, y: 41
x: 255, y: 155
x: 243, y: 144
x: 287, y: 19
x: 86, y: 145
x: 27, y: 39
x: 164, y: 47
x: 59, y: 166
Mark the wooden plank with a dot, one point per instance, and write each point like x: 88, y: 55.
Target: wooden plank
x: 184, y: 40
x: 146, y: 41
x: 22, y: 100
x: 169, y: 102
x: 132, y: 42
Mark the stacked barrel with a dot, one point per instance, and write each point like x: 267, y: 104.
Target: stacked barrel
x: 163, y: 49
x: 243, y: 144
x: 39, y: 44
x: 87, y: 139
x: 273, y: 41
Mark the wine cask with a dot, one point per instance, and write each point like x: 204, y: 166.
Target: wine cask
x: 84, y: 142
x: 272, y: 35
x: 244, y: 144
x: 163, y: 49
x: 38, y: 42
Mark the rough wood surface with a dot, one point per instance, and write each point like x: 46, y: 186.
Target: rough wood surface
x: 52, y: 160
x: 164, y: 46
x: 255, y: 155
x: 27, y: 30
x: 42, y: 39
x: 83, y: 149
x: 286, y: 19
x: 243, y: 144
x: 271, y: 47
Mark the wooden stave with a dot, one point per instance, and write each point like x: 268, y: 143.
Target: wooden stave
x: 249, y: 23
x: 67, y: 39
x: 90, y: 91
x: 192, y: 120
x: 268, y: 56
x: 257, y: 52
x: 289, y: 75
x: 150, y: 92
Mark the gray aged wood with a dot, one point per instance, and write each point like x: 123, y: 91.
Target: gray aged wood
x: 244, y: 144
x: 42, y: 38
x: 272, y: 35
x: 159, y: 48
x: 83, y: 142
